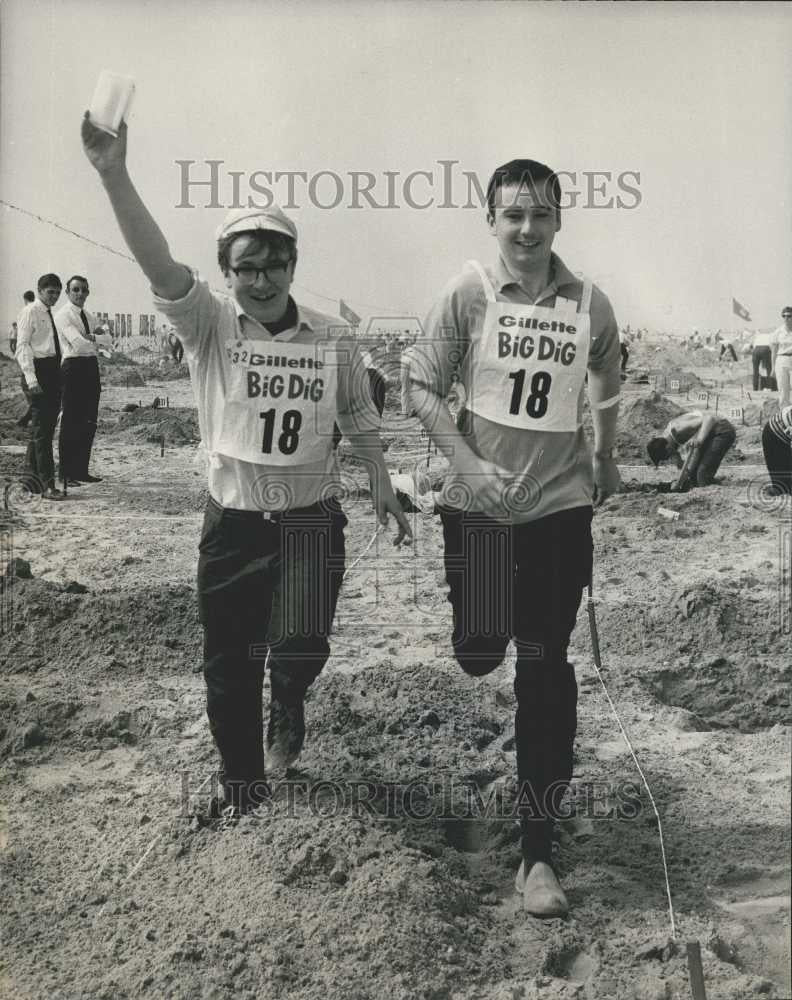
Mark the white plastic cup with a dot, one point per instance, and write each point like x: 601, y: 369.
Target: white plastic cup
x: 111, y: 101
x: 669, y: 515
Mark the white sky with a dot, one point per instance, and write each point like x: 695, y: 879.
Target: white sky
x: 695, y: 97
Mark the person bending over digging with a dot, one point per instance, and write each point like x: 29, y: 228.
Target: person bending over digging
x: 705, y: 438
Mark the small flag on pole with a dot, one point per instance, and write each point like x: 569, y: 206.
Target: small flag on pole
x: 348, y: 314
x: 740, y: 310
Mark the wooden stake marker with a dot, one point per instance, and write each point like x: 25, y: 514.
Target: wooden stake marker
x: 696, y: 971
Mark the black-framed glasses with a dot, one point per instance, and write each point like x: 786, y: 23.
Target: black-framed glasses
x: 249, y: 275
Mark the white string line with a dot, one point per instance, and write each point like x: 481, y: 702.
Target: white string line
x: 398, y: 313
x: 377, y: 530
x: 597, y: 665
x: 160, y: 815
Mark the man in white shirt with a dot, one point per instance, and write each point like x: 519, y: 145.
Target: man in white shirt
x: 270, y: 379
x: 781, y: 341
x: 80, y: 383
x: 38, y: 354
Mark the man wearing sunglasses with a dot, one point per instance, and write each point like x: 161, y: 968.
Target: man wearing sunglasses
x: 270, y: 378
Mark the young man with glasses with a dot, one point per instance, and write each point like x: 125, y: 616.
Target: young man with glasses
x: 270, y: 379
x: 517, y: 506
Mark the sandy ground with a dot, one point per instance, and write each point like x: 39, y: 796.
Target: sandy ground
x: 386, y: 863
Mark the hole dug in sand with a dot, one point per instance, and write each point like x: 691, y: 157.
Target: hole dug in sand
x: 724, y: 694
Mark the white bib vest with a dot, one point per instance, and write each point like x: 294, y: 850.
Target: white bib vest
x: 280, y: 404
x: 530, y: 363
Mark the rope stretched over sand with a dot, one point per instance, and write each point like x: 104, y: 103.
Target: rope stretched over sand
x: 597, y: 670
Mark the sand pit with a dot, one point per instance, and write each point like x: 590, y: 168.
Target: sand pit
x: 385, y: 863
x: 179, y: 426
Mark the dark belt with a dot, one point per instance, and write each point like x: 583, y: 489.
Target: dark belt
x: 276, y: 516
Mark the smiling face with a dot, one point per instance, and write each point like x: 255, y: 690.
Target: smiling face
x: 49, y: 295
x: 525, y: 225
x: 266, y: 297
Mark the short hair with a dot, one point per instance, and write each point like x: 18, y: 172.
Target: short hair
x: 49, y: 281
x: 76, y: 277
x: 530, y: 175
x: 658, y: 450
x: 786, y: 311
x: 278, y: 244
x: 29, y: 296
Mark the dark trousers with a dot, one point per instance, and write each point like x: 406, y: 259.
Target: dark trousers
x: 715, y: 447
x: 625, y: 356
x: 80, y: 408
x: 761, y: 356
x: 264, y: 587
x: 525, y: 583
x: 44, y: 407
x: 777, y: 450
x: 177, y: 352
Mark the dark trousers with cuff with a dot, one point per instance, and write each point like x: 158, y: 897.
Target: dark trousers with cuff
x: 80, y: 409
x: 524, y: 582
x: 266, y: 587
x: 44, y: 409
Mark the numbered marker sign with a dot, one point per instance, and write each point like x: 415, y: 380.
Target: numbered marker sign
x: 736, y: 413
x: 703, y: 397
x: 674, y: 383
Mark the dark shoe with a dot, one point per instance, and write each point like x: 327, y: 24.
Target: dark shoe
x: 52, y: 494
x: 73, y: 482
x: 91, y: 479
x: 285, y: 735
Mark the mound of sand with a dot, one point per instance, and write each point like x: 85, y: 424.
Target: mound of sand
x: 179, y: 425
x: 124, y: 373
x: 164, y: 369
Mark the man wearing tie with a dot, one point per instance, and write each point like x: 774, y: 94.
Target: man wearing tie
x: 80, y: 380
x: 38, y: 354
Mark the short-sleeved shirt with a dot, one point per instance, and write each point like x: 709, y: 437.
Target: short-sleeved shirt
x: 205, y: 322
x: 782, y: 338
x: 556, y: 466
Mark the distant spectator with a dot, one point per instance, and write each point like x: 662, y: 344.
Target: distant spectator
x: 781, y: 341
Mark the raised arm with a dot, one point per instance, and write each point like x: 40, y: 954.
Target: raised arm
x: 169, y: 279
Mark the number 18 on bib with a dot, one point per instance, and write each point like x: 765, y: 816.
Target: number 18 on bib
x: 280, y: 403
x: 530, y: 363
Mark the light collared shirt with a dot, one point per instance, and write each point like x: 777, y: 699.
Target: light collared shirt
x: 782, y: 338
x: 74, y: 343
x: 35, y: 338
x: 204, y: 322
x: 559, y: 461
x: 761, y: 339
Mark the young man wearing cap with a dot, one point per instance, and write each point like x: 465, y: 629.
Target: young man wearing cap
x: 707, y: 439
x: 517, y: 506
x: 781, y: 342
x: 270, y: 379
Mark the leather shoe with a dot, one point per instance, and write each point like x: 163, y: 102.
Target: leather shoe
x: 52, y: 494
x: 91, y: 479
x: 73, y: 482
